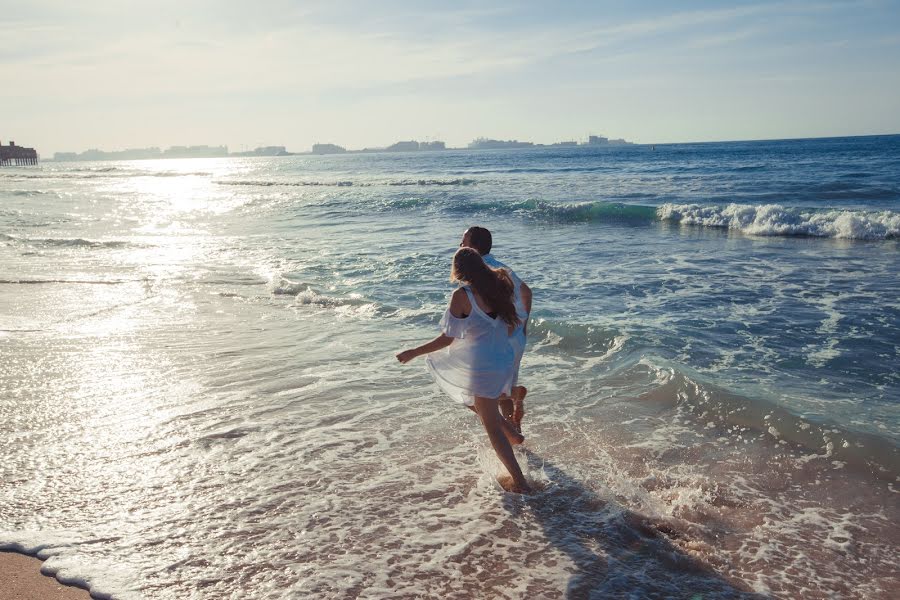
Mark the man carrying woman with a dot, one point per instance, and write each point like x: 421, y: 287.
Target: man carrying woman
x: 475, y: 358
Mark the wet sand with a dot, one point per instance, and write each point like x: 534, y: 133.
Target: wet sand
x: 21, y: 579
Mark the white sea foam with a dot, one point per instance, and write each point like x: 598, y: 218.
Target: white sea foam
x: 775, y: 219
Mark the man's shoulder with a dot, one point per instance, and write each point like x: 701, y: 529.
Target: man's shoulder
x: 491, y: 261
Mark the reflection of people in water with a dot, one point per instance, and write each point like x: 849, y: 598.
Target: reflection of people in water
x: 473, y: 360
x: 513, y: 406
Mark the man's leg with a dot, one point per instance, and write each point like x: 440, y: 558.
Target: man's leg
x: 518, y: 405
x: 506, y: 405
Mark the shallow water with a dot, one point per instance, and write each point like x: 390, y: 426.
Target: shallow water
x: 199, y: 395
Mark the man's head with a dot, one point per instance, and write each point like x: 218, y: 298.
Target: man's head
x: 478, y: 238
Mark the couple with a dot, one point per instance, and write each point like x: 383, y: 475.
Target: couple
x: 476, y: 358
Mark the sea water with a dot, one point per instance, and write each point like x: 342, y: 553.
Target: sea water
x: 199, y: 396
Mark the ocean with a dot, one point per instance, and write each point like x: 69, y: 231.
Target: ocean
x: 199, y: 396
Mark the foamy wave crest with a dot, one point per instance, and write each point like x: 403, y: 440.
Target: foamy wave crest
x: 459, y: 181
x: 345, y: 183
x: 354, y: 305
x: 96, y: 169
x: 29, y: 192
x: 774, y: 219
x: 175, y: 174
x: 72, y: 281
x: 261, y: 183
x: 304, y: 294
x: 81, y: 243
x: 282, y: 286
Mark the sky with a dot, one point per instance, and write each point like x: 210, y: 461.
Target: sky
x: 119, y: 74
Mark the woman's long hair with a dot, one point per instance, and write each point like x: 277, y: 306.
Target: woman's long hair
x: 493, y: 285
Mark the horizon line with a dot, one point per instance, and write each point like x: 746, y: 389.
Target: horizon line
x: 457, y: 148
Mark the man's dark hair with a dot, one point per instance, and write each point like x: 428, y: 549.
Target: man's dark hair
x: 480, y: 239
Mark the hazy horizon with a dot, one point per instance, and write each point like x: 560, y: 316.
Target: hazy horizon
x: 104, y: 75
x: 537, y: 144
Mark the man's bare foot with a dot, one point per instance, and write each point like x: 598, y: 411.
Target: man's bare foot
x: 518, y: 413
x: 516, y: 439
x: 507, y: 483
x: 513, y: 435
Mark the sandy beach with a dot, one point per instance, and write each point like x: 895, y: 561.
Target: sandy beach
x: 21, y: 579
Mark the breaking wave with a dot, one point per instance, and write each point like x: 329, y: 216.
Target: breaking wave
x: 306, y: 295
x: 346, y: 183
x: 72, y: 242
x: 102, y: 173
x: 28, y: 193
x: 777, y: 220
x: 69, y: 281
x: 767, y: 220
x: 261, y: 183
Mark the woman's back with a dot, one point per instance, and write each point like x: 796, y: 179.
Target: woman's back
x: 480, y: 361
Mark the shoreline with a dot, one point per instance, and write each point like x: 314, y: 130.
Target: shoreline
x: 21, y: 579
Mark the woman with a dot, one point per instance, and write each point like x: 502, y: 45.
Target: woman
x: 476, y: 363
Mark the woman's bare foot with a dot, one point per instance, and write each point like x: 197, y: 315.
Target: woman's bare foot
x: 518, y: 413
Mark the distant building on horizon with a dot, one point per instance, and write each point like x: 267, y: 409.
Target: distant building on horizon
x: 489, y: 144
x: 410, y: 146
x: 95, y: 154
x: 195, y: 152
x: 599, y: 140
x: 144, y: 153
x: 328, y: 149
x: 17, y: 156
x: 264, y: 151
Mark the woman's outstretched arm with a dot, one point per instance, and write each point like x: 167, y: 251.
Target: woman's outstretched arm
x: 441, y: 341
x: 459, y: 307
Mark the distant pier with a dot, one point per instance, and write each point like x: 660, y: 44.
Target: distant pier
x: 17, y: 156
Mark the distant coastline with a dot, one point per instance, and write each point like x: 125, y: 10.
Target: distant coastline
x: 155, y: 153
x: 401, y: 146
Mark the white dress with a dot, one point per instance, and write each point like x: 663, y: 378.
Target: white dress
x: 479, y: 362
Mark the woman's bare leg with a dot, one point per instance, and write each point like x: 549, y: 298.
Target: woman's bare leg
x: 513, y: 435
x: 489, y: 412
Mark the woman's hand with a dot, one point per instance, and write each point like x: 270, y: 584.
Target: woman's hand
x: 441, y: 341
x: 406, y: 356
